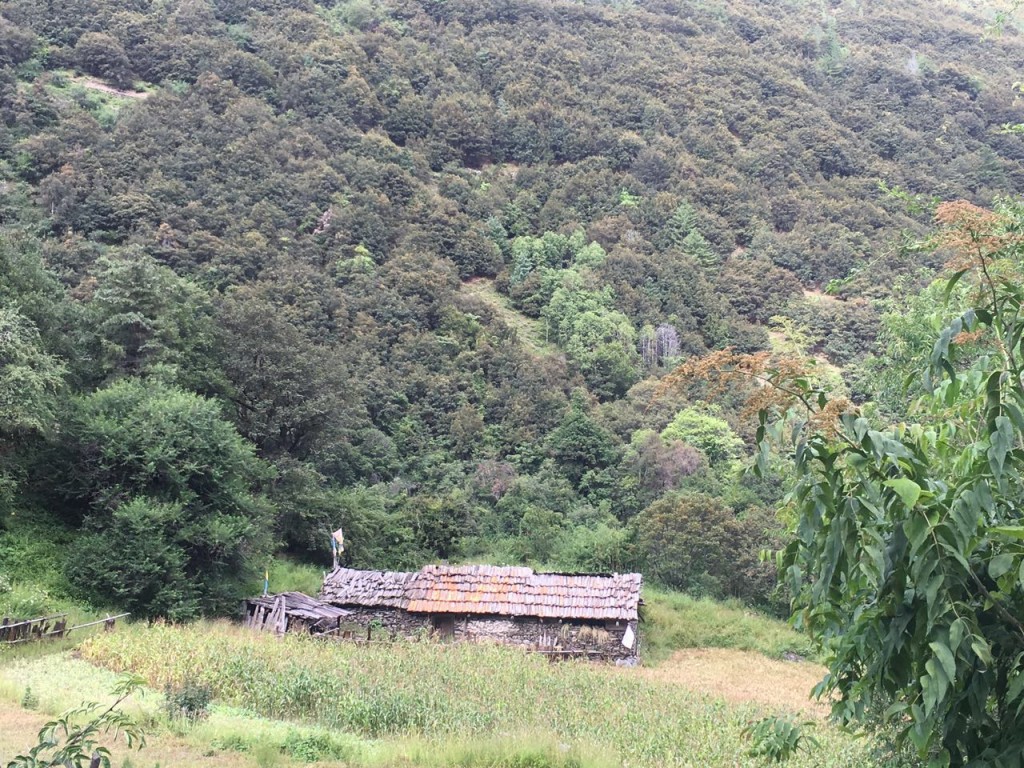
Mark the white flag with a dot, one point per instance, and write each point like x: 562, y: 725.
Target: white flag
x: 629, y: 638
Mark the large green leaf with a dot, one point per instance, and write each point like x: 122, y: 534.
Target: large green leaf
x: 908, y: 491
x: 1000, y: 565
x: 1011, y: 531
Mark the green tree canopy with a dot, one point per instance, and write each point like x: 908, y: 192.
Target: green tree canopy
x: 702, y: 428
x: 696, y: 543
x: 29, y: 377
x: 173, y: 517
x: 907, y: 558
x: 29, y: 380
x: 143, y: 316
x: 580, y: 444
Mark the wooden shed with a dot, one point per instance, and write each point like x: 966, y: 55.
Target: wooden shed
x: 292, y: 612
x: 559, y: 614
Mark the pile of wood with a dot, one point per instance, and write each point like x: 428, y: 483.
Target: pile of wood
x: 292, y: 612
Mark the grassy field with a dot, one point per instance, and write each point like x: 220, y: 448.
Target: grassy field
x: 297, y: 701
x: 673, y: 621
x: 293, y: 701
x: 432, y: 704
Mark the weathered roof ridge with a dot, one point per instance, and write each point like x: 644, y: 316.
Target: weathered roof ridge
x: 489, y: 589
x: 483, y: 570
x: 301, y: 605
x: 348, y: 586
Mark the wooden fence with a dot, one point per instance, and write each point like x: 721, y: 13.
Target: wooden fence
x: 54, y: 627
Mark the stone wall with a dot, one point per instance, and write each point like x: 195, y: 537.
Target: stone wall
x: 598, y: 639
x: 603, y: 640
x: 390, y: 622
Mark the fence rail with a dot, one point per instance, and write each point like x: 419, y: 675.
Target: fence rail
x: 14, y: 631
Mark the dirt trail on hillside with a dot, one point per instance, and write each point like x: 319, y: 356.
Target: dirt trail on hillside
x: 96, y: 85
x: 741, y: 677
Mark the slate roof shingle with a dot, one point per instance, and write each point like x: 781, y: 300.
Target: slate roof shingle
x: 489, y: 589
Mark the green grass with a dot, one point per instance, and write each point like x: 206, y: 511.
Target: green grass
x: 61, y: 681
x: 451, y: 704
x: 33, y: 549
x: 32, y: 582
x: 275, y: 742
x: 531, y: 333
x: 673, y: 621
x: 289, y: 576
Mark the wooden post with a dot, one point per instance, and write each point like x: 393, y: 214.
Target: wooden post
x: 282, y: 616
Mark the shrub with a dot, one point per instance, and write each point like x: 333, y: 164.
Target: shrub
x: 189, y: 701
x: 176, y: 487
x: 314, y: 747
x: 697, y: 544
x: 778, y: 738
x: 29, y: 700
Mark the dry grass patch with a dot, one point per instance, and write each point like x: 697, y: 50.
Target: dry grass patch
x: 19, y: 728
x: 743, y: 677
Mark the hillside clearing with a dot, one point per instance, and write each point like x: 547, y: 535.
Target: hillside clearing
x: 96, y: 85
x: 530, y: 332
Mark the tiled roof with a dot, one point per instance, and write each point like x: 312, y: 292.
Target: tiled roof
x: 488, y: 589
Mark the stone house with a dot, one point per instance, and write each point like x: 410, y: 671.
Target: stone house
x: 558, y: 614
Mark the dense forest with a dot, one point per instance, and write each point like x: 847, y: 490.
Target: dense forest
x: 419, y: 268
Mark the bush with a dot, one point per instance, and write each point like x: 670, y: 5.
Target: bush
x: 778, y: 738
x: 697, y: 544
x: 176, y: 488
x: 189, y: 701
x: 30, y: 700
x: 25, y: 601
x: 314, y: 747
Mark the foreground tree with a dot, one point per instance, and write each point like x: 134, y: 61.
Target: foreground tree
x: 68, y: 742
x: 173, y: 519
x: 29, y: 380
x: 907, y: 556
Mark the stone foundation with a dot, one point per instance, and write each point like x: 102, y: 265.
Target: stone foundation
x: 567, y: 638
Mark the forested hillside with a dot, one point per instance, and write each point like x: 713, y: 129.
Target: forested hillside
x: 418, y: 267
